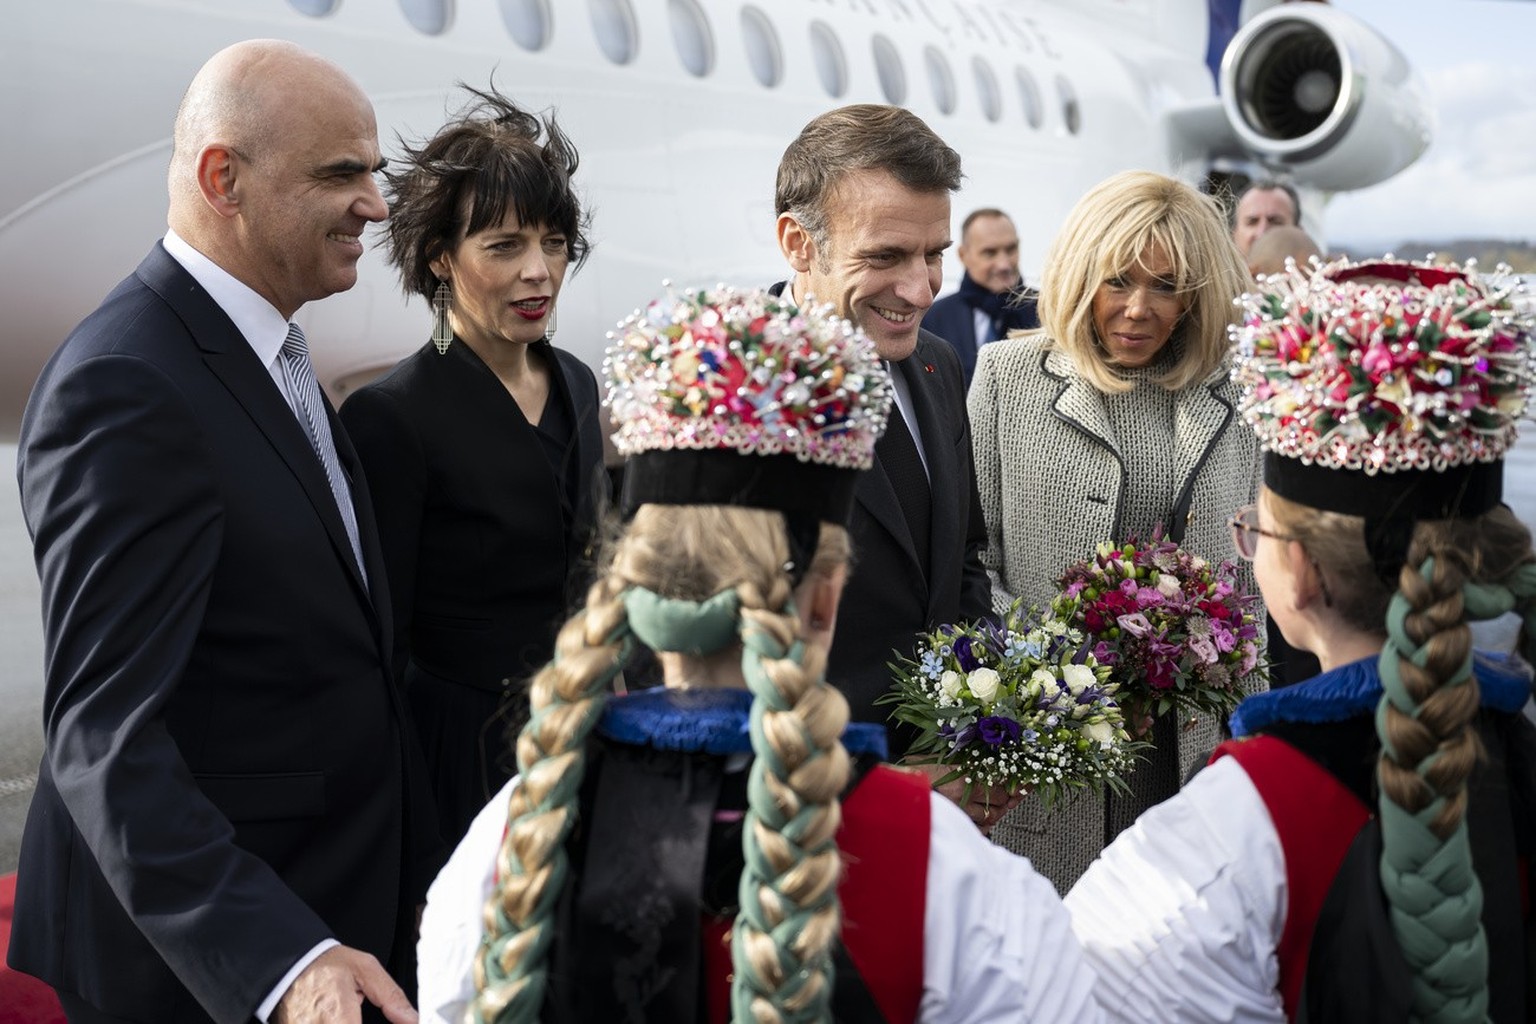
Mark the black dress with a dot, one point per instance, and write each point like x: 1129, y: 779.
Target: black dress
x: 487, y: 523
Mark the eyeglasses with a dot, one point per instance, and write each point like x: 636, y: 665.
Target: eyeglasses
x: 1246, y: 532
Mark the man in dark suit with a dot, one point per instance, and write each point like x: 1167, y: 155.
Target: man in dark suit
x: 991, y: 300
x: 863, y: 219
x: 225, y: 824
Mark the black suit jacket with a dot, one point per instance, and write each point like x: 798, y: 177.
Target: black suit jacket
x: 888, y: 600
x: 226, y: 779
x: 481, y: 567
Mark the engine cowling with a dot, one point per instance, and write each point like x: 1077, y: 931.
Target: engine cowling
x: 1312, y: 93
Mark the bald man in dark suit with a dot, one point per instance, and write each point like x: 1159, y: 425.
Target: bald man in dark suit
x: 226, y: 823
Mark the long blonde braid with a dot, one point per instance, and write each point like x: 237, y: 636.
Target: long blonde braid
x: 1429, y: 747
x: 565, y: 699
x: 789, y: 919
x: 686, y: 552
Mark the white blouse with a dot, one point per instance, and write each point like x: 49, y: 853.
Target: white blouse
x: 997, y: 943
x: 1180, y: 915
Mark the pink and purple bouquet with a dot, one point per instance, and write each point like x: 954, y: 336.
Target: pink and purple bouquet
x: 1014, y: 704
x: 1175, y: 630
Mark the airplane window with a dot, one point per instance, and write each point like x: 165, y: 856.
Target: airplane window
x: 429, y: 16
x: 613, y: 22
x: 986, y: 88
x: 528, y: 21
x: 940, y: 79
x: 1029, y: 92
x: 313, y: 8
x: 1071, y: 113
x: 830, y: 66
x: 893, y: 77
x: 762, y: 42
x: 690, y: 34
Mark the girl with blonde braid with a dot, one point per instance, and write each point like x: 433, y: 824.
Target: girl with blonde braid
x: 728, y: 847
x: 1363, y: 850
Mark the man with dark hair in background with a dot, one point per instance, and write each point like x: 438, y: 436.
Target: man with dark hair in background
x: 1264, y: 204
x: 991, y: 300
x: 863, y: 219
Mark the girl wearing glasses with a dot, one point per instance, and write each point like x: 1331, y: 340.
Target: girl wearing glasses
x: 1362, y: 851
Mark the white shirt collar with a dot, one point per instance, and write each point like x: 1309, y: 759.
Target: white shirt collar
x: 258, y: 320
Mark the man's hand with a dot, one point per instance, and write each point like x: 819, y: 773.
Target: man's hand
x: 332, y: 989
x: 987, y: 804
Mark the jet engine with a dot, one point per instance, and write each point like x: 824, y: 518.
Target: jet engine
x: 1312, y: 93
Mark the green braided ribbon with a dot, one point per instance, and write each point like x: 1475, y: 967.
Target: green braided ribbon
x: 759, y: 645
x: 1517, y: 593
x: 526, y: 1006
x: 1434, y: 899
x: 687, y: 627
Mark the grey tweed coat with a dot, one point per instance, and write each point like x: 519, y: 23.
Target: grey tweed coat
x: 1053, y: 486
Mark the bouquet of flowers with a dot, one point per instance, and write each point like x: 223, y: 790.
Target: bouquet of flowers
x: 1176, y: 631
x: 1013, y: 704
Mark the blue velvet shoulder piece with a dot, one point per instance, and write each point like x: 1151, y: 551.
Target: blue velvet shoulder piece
x: 705, y: 721
x: 1355, y: 689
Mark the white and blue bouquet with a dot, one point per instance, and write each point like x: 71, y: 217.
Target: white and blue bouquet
x: 1024, y: 703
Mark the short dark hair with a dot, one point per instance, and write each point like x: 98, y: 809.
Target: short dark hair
x: 1267, y: 185
x: 859, y: 137
x: 975, y: 215
x: 486, y: 158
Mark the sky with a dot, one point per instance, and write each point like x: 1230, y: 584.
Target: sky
x: 1478, y: 176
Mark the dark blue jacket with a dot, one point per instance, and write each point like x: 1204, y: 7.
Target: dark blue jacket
x: 953, y: 318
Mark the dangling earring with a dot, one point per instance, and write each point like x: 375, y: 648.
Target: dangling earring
x: 549, y: 328
x: 442, y: 330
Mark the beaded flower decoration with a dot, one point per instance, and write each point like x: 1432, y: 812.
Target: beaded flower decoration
x: 742, y: 370
x: 1385, y: 365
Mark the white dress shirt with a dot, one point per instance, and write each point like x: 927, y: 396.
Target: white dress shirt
x: 1180, y: 915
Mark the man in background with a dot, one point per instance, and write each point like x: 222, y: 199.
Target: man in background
x: 862, y: 198
x: 991, y: 300
x: 228, y: 820
x: 1263, y: 205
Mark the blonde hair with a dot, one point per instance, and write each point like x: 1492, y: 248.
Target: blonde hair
x: 687, y: 553
x: 1109, y: 231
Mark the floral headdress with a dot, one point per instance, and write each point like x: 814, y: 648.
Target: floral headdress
x: 1387, y: 388
x: 702, y: 377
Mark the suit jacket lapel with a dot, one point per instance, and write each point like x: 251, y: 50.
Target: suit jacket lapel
x: 1200, y: 418
x: 875, y: 492
x: 929, y: 396
x: 230, y: 358
x: 588, y: 436
x: 376, y: 588
x: 1079, y: 402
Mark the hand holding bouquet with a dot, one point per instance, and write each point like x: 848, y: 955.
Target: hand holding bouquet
x: 1013, y: 705
x: 1176, y: 631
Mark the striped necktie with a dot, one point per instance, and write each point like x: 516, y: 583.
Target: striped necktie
x: 304, y: 390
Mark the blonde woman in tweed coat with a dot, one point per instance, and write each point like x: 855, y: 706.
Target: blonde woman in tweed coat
x: 1116, y: 416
